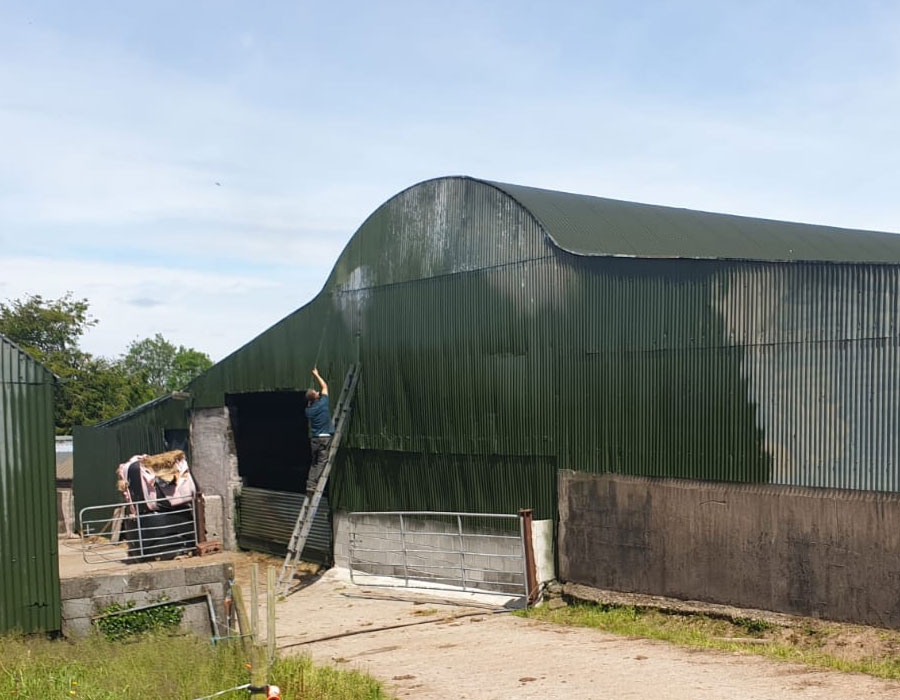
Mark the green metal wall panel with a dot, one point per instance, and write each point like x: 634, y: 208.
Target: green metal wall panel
x: 266, y: 520
x: 29, y: 568
x: 99, y: 449
x: 377, y: 480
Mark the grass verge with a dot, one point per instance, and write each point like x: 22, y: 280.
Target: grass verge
x: 159, y: 667
x: 825, y: 645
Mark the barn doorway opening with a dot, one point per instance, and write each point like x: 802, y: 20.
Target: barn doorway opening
x: 271, y: 439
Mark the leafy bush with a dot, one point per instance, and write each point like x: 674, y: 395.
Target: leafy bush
x: 121, y: 625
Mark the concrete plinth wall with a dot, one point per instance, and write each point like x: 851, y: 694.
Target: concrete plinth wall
x: 382, y: 534
x: 823, y: 553
x: 84, y: 597
x: 214, y: 464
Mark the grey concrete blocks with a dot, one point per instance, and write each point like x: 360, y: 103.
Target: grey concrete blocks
x: 85, y: 597
x: 214, y: 465
x: 80, y: 587
x: 215, y: 517
x: 78, y: 607
x: 196, y: 619
x: 162, y: 579
x: 206, y: 574
x: 77, y: 627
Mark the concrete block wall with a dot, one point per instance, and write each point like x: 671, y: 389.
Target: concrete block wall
x: 826, y: 553
x: 422, y: 533
x: 84, y: 596
x: 214, y: 465
x: 215, y: 517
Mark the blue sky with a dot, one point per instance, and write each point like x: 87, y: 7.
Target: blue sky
x: 117, y: 121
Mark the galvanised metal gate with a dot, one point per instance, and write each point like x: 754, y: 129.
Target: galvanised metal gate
x: 473, y: 552
x: 132, y: 532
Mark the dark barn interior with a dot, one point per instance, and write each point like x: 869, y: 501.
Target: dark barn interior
x: 271, y: 438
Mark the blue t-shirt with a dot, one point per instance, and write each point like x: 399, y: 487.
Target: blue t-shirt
x: 319, y: 416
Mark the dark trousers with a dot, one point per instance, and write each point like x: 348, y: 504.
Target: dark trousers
x: 319, y: 449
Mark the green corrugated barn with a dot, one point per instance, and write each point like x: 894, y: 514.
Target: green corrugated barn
x: 506, y: 332
x: 29, y: 570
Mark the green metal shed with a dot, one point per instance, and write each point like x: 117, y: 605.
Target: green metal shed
x: 506, y: 332
x: 102, y: 447
x: 29, y: 568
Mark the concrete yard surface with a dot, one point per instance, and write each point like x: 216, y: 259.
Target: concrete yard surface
x: 493, y: 656
x: 73, y: 565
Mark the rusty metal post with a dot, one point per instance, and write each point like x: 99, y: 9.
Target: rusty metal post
x: 526, y: 516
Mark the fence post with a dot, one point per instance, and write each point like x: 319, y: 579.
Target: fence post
x: 140, y: 534
x: 270, y: 615
x: 254, y: 655
x: 254, y: 602
x: 462, y: 552
x: 405, y: 555
x: 350, y: 545
x: 526, y: 518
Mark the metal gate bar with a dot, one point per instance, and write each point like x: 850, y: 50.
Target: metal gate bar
x: 471, y: 552
x: 114, y: 532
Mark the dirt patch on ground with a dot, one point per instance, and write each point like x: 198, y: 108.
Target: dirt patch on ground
x: 849, y: 642
x: 476, y: 654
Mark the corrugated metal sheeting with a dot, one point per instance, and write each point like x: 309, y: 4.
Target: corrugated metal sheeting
x: 29, y: 570
x: 491, y: 357
x: 500, y: 342
x: 266, y: 520
x: 587, y: 225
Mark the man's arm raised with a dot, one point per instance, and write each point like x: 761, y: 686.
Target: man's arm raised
x: 323, y: 387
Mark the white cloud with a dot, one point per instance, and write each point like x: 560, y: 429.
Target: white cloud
x: 215, y: 313
x: 106, y: 154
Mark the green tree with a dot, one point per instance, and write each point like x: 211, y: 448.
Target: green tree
x: 95, y: 389
x: 89, y: 390
x: 47, y: 329
x: 150, y: 361
x: 162, y: 366
x: 188, y: 364
x: 92, y: 389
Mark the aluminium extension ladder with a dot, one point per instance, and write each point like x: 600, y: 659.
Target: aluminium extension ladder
x: 308, y: 510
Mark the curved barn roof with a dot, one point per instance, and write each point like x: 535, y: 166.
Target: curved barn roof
x: 586, y: 225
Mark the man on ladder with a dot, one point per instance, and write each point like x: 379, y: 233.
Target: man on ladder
x: 325, y: 439
x: 321, y: 430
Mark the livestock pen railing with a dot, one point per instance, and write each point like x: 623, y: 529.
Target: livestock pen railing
x: 137, y: 531
x: 472, y: 552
